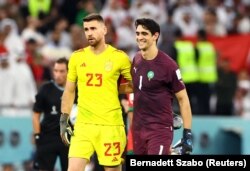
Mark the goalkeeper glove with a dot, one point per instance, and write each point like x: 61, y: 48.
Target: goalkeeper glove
x: 185, y: 145
x: 66, y: 129
x: 187, y: 141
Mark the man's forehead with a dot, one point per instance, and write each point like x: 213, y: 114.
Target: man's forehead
x: 93, y: 23
x: 140, y: 28
x: 60, y: 66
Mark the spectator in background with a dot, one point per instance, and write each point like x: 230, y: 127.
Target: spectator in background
x: 59, y: 36
x: 7, y: 82
x: 47, y: 131
x: 242, y: 99
x: 111, y: 36
x: 167, y: 37
x: 211, y: 24
x: 225, y: 88
x: 38, y: 8
x: 11, y: 37
x: 17, y: 84
x: 84, y: 8
x: 124, y: 34
x: 25, y: 88
x: 58, y: 42
x: 207, y: 66
x: 77, y: 37
x: 113, y: 10
x: 68, y: 9
x: 242, y: 21
x: 187, y: 24
x: 31, y: 31
x: 154, y: 9
x: 183, y: 52
x: 41, y: 71
x: 230, y: 14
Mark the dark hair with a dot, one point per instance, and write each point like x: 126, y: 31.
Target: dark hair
x: 211, y: 11
x: 178, y: 33
x: 148, y: 24
x: 93, y: 16
x: 31, y: 41
x: 63, y: 60
x: 202, y: 34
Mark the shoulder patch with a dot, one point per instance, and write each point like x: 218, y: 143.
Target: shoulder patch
x: 178, y: 74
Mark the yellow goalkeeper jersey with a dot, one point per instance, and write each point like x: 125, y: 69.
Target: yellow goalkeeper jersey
x: 97, y: 77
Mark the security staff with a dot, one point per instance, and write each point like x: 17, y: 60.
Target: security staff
x: 207, y: 66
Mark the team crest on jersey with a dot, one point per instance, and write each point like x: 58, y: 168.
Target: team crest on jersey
x: 150, y: 75
x: 108, y: 66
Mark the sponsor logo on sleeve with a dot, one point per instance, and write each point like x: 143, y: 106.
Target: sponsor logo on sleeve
x: 178, y: 74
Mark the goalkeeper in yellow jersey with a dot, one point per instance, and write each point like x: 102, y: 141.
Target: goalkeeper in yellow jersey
x: 99, y: 126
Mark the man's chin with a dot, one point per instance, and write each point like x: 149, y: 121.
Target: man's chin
x: 142, y: 48
x: 60, y: 84
x: 91, y: 43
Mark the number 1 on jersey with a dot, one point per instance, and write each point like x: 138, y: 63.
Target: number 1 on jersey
x: 140, y: 83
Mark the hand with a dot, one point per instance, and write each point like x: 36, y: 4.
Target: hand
x: 66, y: 130
x: 187, y: 142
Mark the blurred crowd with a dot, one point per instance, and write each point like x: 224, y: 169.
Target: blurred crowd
x: 33, y: 34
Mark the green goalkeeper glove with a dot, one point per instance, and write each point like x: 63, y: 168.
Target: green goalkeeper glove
x: 66, y: 129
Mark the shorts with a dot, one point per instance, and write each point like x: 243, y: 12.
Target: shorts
x: 107, y: 141
x: 47, y: 153
x: 152, y: 142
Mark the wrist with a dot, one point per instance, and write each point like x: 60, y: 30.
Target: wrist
x: 130, y: 109
x: 186, y: 130
x: 187, y: 133
x: 37, y: 137
x: 65, y: 114
x: 37, y: 134
x: 64, y: 117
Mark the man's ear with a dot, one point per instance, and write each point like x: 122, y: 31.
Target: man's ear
x: 105, y: 30
x: 156, y: 35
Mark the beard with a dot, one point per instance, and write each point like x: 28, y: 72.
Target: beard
x: 93, y: 42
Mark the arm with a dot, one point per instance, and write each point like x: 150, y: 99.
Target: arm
x: 36, y: 126
x: 68, y: 97
x: 185, y: 108
x: 37, y: 111
x: 125, y: 80
x: 124, y: 103
x: 126, y: 88
x: 36, y: 122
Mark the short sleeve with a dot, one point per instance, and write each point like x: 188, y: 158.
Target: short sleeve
x: 39, y: 101
x: 126, y: 66
x: 72, y: 73
x: 177, y: 83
